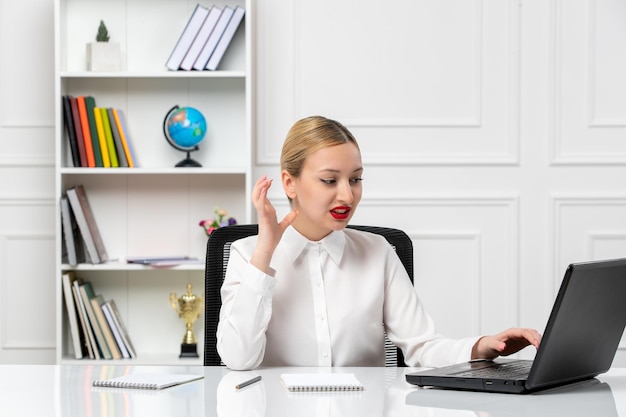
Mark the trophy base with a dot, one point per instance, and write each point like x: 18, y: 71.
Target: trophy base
x: 188, y: 350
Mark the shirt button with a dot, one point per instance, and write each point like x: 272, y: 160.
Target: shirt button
x: 325, y: 354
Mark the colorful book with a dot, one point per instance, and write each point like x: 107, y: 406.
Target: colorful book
x: 201, y: 39
x: 190, y: 32
x: 96, y: 303
x: 87, y: 293
x: 90, y: 339
x: 117, y: 318
x: 102, y: 140
x: 227, y: 37
x: 213, y: 40
x: 68, y: 278
x: 90, y: 104
x: 71, y: 134
x: 71, y: 234
x: 109, y: 137
x: 117, y: 333
x: 126, y: 136
x: 87, y: 224
x: 84, y: 124
x: 78, y: 131
x: 117, y: 139
x: 123, y: 138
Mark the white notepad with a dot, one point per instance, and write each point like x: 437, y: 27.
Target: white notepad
x: 146, y: 381
x: 321, y: 382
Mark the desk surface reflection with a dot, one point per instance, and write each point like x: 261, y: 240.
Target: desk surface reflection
x: 65, y: 391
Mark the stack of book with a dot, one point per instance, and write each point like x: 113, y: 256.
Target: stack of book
x: 81, y: 237
x: 98, y: 136
x: 206, y: 38
x: 96, y: 325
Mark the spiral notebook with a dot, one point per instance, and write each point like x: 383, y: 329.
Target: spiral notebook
x: 146, y: 381
x: 321, y: 382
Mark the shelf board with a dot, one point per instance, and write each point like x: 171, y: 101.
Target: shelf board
x: 123, y: 266
x: 153, y: 171
x: 149, y: 359
x: 153, y: 74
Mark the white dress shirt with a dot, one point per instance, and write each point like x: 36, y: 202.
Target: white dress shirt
x: 326, y: 303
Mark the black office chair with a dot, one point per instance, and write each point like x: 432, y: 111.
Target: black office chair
x: 218, y: 251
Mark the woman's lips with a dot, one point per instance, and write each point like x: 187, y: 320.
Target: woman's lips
x: 340, y: 212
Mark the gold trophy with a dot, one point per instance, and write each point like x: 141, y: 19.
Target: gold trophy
x: 189, y: 307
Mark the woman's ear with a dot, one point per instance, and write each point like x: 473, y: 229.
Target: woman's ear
x: 288, y: 184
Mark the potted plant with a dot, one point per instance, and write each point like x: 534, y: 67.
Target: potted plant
x: 103, y: 55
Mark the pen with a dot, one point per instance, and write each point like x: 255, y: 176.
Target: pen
x: 249, y: 382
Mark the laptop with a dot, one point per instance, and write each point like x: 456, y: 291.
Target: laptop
x: 579, y: 342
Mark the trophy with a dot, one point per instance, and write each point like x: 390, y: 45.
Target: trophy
x: 189, y: 307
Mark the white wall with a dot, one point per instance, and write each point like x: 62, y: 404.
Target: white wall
x: 490, y: 131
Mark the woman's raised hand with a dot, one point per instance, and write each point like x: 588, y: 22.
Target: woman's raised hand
x: 270, y: 229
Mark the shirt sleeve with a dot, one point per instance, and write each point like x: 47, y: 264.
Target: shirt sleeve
x: 410, y: 327
x: 245, y: 312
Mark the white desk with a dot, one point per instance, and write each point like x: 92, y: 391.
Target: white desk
x: 65, y: 391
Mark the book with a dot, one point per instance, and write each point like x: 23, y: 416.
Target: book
x: 123, y: 138
x: 127, y: 137
x: 146, y: 381
x: 78, y: 132
x: 216, y: 34
x: 104, y: 148
x: 321, y: 382
x: 87, y: 224
x: 89, y: 337
x: 186, y: 38
x: 117, y: 139
x: 86, y: 294
x: 71, y: 134
x: 225, y: 39
x: 96, y: 303
x: 71, y: 234
x: 163, y: 260
x: 84, y: 125
x: 68, y: 278
x: 116, y: 329
x: 90, y: 104
x: 106, y: 124
x: 203, y: 36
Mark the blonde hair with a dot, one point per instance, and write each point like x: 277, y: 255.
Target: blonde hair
x: 309, y: 135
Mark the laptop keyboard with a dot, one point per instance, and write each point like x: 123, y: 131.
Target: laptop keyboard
x: 500, y: 371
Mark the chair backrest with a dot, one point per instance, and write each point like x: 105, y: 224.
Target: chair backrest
x: 218, y: 251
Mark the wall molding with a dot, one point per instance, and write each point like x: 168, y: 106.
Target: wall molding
x: 17, y: 342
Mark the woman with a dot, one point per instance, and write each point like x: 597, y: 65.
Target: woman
x: 309, y: 292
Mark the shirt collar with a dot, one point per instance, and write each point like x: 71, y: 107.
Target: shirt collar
x: 294, y: 244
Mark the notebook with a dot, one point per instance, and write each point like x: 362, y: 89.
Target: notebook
x: 146, y: 381
x: 321, y: 382
x: 579, y: 342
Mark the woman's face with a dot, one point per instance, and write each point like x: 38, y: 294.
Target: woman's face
x: 328, y: 190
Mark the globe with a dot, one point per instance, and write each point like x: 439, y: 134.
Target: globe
x: 184, y: 128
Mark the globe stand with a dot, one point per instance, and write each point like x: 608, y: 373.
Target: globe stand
x: 188, y: 162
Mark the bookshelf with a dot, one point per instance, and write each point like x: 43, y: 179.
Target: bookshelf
x: 153, y: 209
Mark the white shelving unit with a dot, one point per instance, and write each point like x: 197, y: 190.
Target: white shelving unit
x: 154, y: 209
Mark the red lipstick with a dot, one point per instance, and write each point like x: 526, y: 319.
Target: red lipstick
x: 340, y: 212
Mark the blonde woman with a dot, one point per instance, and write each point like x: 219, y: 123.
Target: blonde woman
x: 306, y: 291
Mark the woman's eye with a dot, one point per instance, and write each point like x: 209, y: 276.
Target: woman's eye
x: 331, y: 181
x: 356, y: 180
